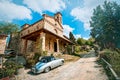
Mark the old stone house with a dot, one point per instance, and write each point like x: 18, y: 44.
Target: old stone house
x: 44, y: 35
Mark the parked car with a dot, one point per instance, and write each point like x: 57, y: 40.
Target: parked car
x: 46, y: 64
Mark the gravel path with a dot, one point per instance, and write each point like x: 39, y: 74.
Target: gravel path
x: 84, y: 69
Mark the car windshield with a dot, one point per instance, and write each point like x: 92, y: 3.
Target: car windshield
x: 43, y: 61
x: 47, y: 59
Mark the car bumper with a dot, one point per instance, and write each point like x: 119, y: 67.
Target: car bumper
x: 36, y: 71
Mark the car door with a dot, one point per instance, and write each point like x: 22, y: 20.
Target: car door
x: 54, y: 63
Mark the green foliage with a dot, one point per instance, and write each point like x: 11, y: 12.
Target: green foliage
x: 32, y: 60
x: 69, y: 49
x: 107, y: 70
x: 81, y: 41
x: 72, y: 38
x: 77, y: 49
x: 88, y: 42
x: 7, y: 28
x: 12, y: 64
x: 10, y: 68
x: 44, y: 53
x: 105, y: 24
x: 30, y: 63
x: 113, y: 57
x: 6, y: 72
x: 36, y: 57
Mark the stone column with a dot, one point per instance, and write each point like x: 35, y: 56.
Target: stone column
x: 25, y: 45
x: 42, y: 41
x: 57, y: 45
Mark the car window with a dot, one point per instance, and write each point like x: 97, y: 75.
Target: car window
x: 43, y: 60
x: 52, y: 59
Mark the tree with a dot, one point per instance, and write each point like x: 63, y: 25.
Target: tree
x: 8, y: 28
x: 81, y: 41
x: 105, y: 24
x: 72, y: 38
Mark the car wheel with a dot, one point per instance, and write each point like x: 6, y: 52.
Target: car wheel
x: 47, y: 69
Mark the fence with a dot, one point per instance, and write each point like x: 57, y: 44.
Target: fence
x: 112, y: 71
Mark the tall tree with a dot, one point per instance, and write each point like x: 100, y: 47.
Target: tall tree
x: 7, y: 28
x: 72, y: 38
x: 81, y: 41
x: 105, y: 24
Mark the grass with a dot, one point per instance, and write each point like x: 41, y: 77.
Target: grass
x: 68, y: 58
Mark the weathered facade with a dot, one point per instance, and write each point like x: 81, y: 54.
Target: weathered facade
x: 2, y: 43
x: 15, y: 42
x: 44, y: 35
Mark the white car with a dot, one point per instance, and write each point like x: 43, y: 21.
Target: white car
x: 46, y: 64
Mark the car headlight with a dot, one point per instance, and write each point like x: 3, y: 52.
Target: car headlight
x: 34, y: 70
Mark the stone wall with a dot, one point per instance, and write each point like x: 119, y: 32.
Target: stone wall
x: 15, y: 42
x: 53, y: 26
x: 2, y: 44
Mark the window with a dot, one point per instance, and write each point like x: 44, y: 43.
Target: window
x: 56, y: 31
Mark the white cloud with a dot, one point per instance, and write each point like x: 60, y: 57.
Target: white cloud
x: 77, y: 36
x: 84, y: 13
x: 86, y: 38
x: 10, y: 11
x: 45, y: 5
x: 67, y: 30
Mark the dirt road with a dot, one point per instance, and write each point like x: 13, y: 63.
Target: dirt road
x: 84, y: 69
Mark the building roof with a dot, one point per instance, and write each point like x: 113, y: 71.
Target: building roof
x: 3, y: 35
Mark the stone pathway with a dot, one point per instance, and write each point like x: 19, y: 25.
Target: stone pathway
x: 85, y: 68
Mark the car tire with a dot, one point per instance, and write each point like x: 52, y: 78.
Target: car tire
x: 47, y: 69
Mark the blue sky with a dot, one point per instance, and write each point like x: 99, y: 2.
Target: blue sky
x: 75, y: 13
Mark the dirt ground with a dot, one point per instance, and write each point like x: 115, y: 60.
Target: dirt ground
x: 85, y: 68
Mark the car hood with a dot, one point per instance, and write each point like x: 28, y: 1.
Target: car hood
x: 39, y: 64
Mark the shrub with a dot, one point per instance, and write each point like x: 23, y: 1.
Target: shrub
x: 69, y: 49
x: 30, y: 63
x: 10, y: 68
x: 77, y: 49
x: 113, y: 57
x: 36, y: 57
x: 44, y: 53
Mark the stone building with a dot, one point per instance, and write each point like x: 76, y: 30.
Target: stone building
x: 2, y: 43
x: 44, y: 35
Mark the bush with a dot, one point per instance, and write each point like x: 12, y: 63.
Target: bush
x: 33, y: 58
x: 36, y: 57
x: 113, y: 57
x: 69, y: 49
x: 30, y: 63
x: 10, y: 68
x: 77, y: 49
x: 107, y: 70
x: 44, y: 53
x: 6, y: 72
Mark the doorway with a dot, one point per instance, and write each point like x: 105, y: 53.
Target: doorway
x: 55, y: 46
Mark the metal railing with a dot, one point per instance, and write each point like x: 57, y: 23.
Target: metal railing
x: 112, y: 71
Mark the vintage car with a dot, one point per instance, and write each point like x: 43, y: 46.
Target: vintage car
x: 46, y: 64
